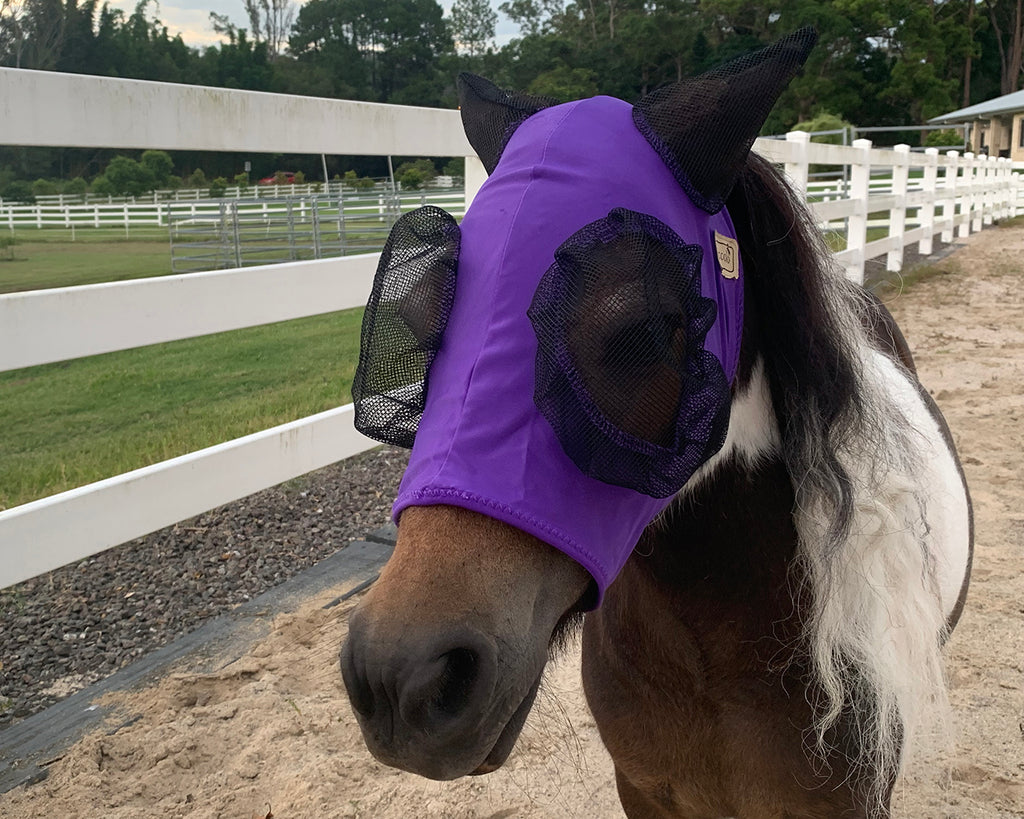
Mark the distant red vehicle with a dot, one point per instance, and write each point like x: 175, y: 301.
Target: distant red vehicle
x: 287, y: 178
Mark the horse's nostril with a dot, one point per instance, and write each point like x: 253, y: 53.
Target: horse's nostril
x: 440, y: 693
x: 457, y: 680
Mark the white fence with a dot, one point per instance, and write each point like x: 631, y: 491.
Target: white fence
x: 974, y: 191
x: 147, y: 214
x: 54, y: 325
x: 67, y: 211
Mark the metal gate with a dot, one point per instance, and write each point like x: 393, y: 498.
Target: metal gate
x: 242, y: 233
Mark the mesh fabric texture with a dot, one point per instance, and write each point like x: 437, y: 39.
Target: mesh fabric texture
x: 703, y: 127
x: 622, y: 375
x: 404, y: 324
x: 490, y: 115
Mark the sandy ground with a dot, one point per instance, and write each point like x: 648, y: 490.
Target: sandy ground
x: 272, y: 733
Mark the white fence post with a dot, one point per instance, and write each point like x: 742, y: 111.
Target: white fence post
x: 857, y: 225
x: 988, y: 167
x: 966, y: 181
x: 898, y: 213
x: 1003, y: 195
x: 949, y: 179
x: 1011, y: 181
x: 977, y: 193
x: 995, y: 185
x: 1004, y: 188
x: 476, y: 175
x: 797, y: 169
x: 927, y: 213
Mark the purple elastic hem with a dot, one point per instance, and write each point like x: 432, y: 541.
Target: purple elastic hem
x: 452, y: 496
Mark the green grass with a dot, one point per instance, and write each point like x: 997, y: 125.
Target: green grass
x: 63, y: 425
x: 66, y: 424
x: 836, y: 239
x: 47, y: 260
x: 42, y: 259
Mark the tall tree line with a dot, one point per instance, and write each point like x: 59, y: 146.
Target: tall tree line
x: 879, y: 62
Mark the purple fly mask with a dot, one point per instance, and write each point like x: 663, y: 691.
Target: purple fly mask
x: 563, y: 360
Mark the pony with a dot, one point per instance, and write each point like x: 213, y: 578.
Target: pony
x: 640, y: 397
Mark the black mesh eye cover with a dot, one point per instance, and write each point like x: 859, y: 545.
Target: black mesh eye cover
x: 404, y: 323
x: 622, y: 375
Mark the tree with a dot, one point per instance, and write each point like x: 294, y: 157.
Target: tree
x: 75, y: 187
x: 565, y: 83
x: 1007, y: 20
x: 80, y: 36
x: 159, y: 164
x: 101, y: 186
x: 128, y: 177
x: 270, y: 22
x: 18, y: 191
x: 44, y: 187
x: 533, y: 17
x: 12, y: 32
x: 218, y: 187
x: 473, y: 23
x: 42, y: 26
x: 239, y: 63
x: 390, y: 46
x: 196, y: 179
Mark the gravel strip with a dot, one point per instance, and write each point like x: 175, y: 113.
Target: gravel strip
x: 65, y: 630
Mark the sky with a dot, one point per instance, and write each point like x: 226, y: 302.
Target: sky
x: 192, y: 18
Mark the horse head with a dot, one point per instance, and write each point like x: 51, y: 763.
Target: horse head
x: 562, y: 364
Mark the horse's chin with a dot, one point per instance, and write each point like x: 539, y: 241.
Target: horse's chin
x: 509, y: 734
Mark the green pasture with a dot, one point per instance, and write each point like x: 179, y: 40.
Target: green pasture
x: 66, y: 424
x: 49, y: 258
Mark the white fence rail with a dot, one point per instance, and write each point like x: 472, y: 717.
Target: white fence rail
x: 52, y: 325
x: 142, y: 214
x: 335, y: 187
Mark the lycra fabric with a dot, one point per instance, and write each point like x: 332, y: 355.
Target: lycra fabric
x: 482, y: 443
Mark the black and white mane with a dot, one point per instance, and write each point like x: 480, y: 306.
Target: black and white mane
x: 815, y: 389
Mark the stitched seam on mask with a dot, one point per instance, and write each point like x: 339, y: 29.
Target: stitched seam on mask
x: 452, y: 491
x: 490, y: 319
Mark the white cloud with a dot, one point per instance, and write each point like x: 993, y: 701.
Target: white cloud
x: 189, y: 18
x: 192, y: 24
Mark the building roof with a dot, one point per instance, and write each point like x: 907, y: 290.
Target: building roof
x: 983, y: 110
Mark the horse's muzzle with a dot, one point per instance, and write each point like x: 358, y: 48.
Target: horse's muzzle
x: 430, y: 704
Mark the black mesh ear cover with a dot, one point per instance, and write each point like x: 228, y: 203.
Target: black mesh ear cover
x: 404, y: 323
x: 622, y: 375
x: 490, y: 115
x: 703, y: 127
